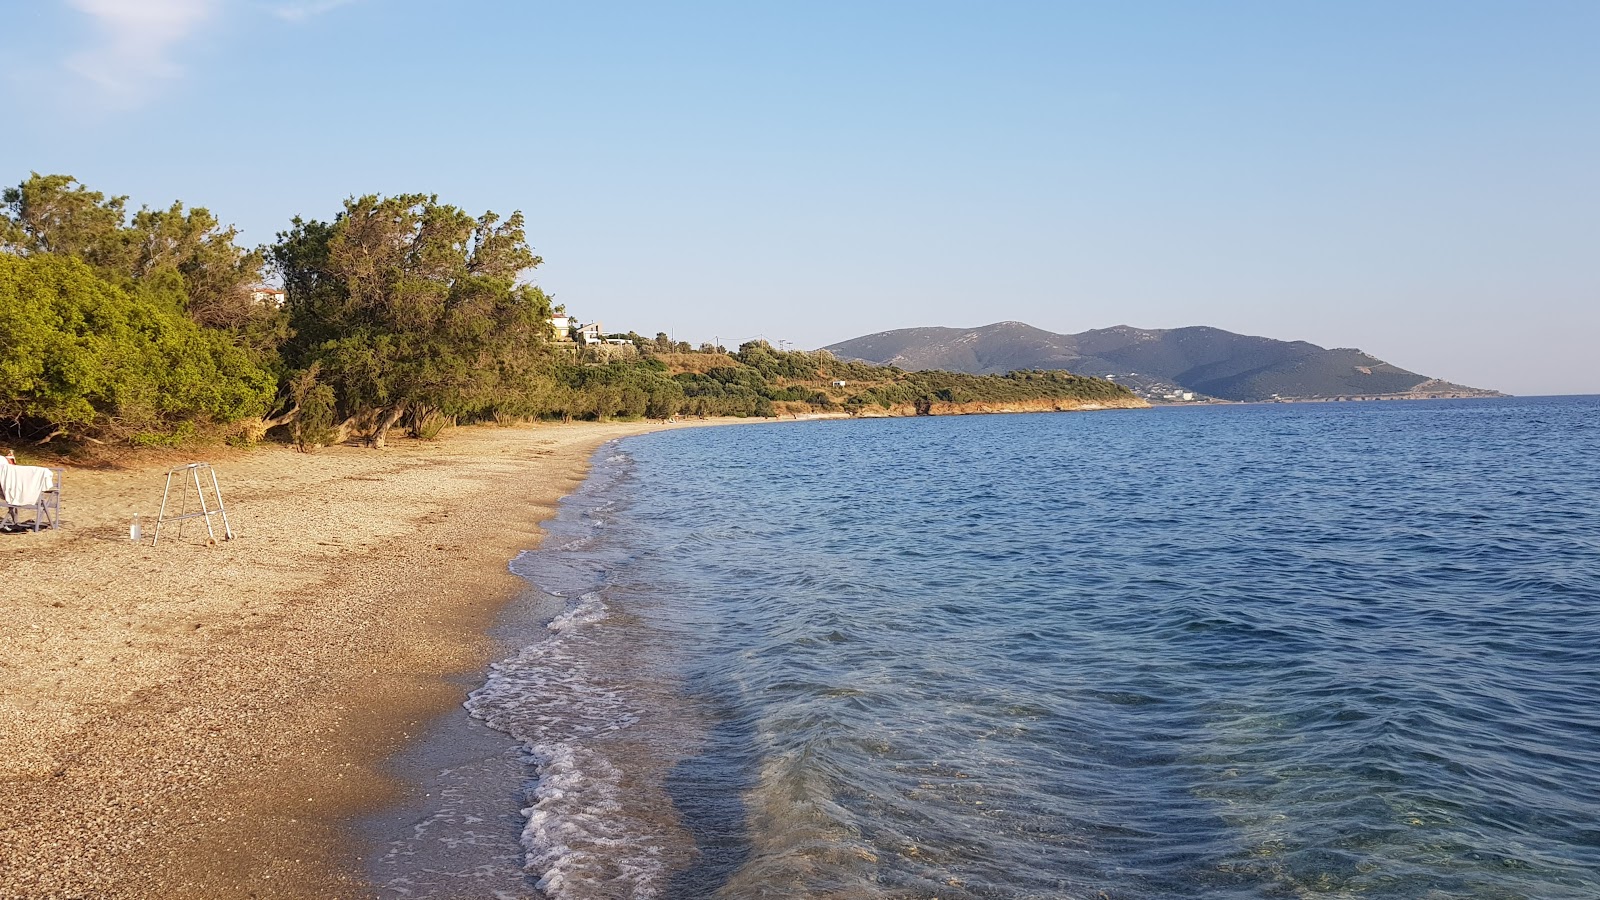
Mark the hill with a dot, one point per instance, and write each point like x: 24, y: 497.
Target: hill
x: 1156, y: 363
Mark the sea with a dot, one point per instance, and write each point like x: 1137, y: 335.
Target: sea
x: 1229, y: 651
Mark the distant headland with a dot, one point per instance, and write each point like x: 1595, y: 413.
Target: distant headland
x: 1163, y: 365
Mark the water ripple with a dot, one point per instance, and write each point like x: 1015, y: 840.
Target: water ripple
x: 1226, y: 652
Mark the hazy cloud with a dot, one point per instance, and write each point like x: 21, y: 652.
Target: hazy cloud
x: 307, y: 9
x: 134, y: 43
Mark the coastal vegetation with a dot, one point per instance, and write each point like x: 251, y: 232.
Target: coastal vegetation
x: 154, y: 328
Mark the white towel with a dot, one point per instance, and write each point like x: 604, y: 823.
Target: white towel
x: 22, y: 485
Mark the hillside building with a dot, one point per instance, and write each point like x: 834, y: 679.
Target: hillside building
x: 263, y: 295
x: 568, y: 330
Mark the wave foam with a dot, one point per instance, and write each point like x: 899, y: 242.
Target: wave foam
x: 578, y: 838
x: 576, y: 832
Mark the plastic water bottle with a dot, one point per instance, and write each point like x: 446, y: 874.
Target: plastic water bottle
x: 133, y: 530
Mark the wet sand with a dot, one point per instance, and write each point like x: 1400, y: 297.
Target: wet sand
x: 203, y: 721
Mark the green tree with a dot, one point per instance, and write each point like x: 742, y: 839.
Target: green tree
x: 82, y: 356
x: 412, y: 305
x: 217, y: 273
x: 57, y: 215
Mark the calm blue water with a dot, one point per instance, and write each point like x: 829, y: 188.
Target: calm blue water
x: 1266, y: 651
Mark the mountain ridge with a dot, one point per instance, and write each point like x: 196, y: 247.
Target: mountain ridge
x: 1160, y: 363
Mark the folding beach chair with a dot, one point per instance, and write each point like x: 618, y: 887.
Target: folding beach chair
x: 34, y: 489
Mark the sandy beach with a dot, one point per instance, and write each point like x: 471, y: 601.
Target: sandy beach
x: 199, y: 721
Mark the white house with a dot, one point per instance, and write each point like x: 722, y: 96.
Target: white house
x: 263, y: 295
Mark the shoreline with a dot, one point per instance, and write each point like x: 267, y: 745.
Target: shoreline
x: 460, y: 830
x: 184, y: 721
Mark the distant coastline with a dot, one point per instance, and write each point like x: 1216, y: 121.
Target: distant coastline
x: 982, y: 408
x: 1462, y: 394
x: 1161, y: 364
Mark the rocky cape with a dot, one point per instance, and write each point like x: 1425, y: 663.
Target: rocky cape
x: 1159, y: 364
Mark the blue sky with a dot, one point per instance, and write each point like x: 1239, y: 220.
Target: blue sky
x: 1417, y: 179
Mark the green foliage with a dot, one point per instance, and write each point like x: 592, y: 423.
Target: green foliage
x: 921, y: 389
x: 53, y: 214
x: 314, y: 426
x: 629, y: 390
x: 408, y: 304
x: 80, y: 355
x: 771, y: 363
x: 762, y: 378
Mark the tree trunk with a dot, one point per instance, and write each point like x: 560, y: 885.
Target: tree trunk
x: 282, y: 419
x: 343, y: 431
x: 380, y: 432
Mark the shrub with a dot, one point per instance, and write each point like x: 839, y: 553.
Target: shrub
x: 82, y: 356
